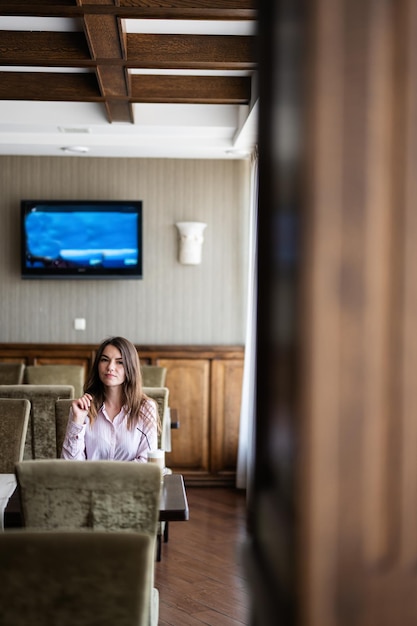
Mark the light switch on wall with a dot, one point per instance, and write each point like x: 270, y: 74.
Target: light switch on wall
x: 79, y: 323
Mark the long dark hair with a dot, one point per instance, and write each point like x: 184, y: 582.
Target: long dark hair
x: 132, y: 389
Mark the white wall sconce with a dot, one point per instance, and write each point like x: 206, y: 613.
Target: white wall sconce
x: 190, y: 242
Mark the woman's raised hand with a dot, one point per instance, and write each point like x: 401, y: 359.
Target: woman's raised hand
x: 80, y: 408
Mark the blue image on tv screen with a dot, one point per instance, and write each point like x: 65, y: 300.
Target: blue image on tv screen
x: 81, y: 239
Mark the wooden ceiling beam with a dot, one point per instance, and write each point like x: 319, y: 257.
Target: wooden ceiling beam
x: 49, y: 86
x: 108, y: 49
x: 44, y: 48
x: 84, y: 87
x: 190, y: 51
x: 103, y: 47
x: 119, y: 110
x: 143, y: 50
x: 104, y: 37
x: 137, y: 9
x: 191, y: 89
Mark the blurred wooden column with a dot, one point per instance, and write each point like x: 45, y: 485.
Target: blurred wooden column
x: 333, y: 505
x: 358, y: 562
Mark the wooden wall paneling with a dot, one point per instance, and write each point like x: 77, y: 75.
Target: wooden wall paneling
x: 52, y: 354
x: 12, y: 359
x: 205, y: 388
x: 226, y: 392
x: 188, y: 382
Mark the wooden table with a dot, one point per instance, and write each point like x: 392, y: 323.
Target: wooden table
x: 173, y: 505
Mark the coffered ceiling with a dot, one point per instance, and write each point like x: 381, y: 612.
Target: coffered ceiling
x: 128, y: 78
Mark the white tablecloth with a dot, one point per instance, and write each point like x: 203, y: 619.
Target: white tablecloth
x: 7, y: 486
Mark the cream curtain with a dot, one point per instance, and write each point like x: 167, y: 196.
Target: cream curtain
x: 247, y: 414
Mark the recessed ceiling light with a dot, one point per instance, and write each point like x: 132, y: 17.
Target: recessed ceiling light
x: 75, y: 149
x: 72, y: 130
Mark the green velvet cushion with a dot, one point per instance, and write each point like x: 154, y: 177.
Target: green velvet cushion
x: 153, y: 375
x: 99, y: 495
x: 161, y: 397
x: 102, y: 495
x: 41, y: 435
x: 11, y: 373
x: 56, y: 375
x: 75, y: 579
x: 62, y: 409
x: 14, y: 420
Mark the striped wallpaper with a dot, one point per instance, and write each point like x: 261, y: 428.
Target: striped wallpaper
x: 172, y: 304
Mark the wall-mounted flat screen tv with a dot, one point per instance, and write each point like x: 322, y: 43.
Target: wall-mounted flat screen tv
x: 81, y: 239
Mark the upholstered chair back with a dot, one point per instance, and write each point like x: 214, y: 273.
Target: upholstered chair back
x: 75, y: 579
x: 41, y: 434
x: 153, y: 375
x: 14, y: 420
x: 11, y: 373
x: 97, y: 495
x: 62, y: 409
x: 101, y: 495
x: 161, y: 397
x: 56, y: 375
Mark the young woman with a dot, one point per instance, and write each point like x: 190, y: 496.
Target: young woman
x: 114, y: 420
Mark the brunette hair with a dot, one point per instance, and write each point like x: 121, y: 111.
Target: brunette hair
x: 132, y: 388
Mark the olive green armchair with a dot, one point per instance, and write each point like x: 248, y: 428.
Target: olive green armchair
x: 11, y: 373
x: 56, y: 375
x: 106, y: 496
x: 41, y: 434
x: 14, y: 420
x: 75, y: 578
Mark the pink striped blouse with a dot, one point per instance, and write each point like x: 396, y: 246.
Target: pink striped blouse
x: 112, y: 440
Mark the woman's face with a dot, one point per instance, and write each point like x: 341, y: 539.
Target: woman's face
x: 111, y: 369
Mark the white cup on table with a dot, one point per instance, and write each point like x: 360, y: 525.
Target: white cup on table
x: 158, y: 457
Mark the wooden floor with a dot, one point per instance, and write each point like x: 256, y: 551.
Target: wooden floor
x: 200, y: 579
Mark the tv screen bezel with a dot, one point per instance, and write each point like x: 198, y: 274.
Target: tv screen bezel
x: 85, y: 272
